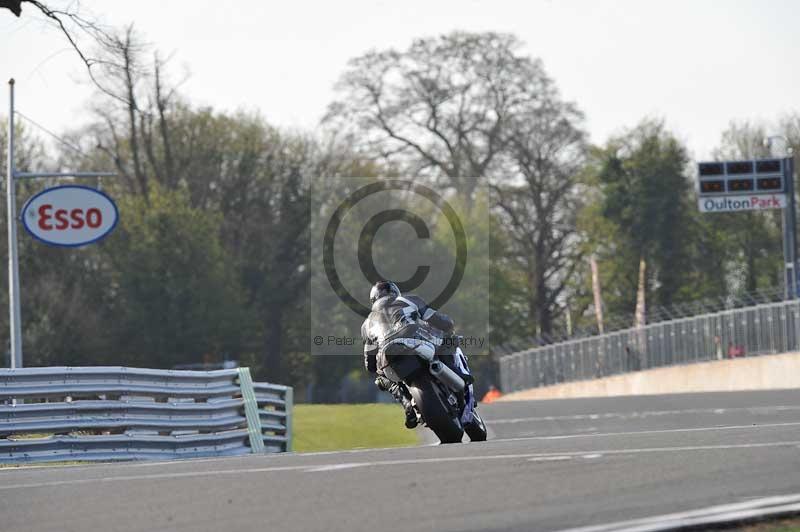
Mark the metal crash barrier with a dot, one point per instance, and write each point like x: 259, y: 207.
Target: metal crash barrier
x: 118, y: 413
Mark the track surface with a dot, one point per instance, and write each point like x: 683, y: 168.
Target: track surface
x: 552, y: 465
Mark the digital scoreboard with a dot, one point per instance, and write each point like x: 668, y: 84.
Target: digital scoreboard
x: 755, y: 185
x: 760, y: 176
x: 726, y: 186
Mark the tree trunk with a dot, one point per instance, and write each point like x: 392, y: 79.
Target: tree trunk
x: 545, y: 316
x: 638, y: 358
x: 598, y: 296
x: 132, y: 109
x: 271, y: 359
x: 641, y: 313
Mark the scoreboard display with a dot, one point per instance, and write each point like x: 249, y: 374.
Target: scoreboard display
x: 711, y: 169
x: 769, y: 183
x: 712, y: 186
x: 741, y: 177
x: 740, y: 185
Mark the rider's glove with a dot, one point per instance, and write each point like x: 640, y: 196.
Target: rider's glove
x: 383, y: 383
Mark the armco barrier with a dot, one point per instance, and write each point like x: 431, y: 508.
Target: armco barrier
x: 117, y: 413
x: 750, y: 331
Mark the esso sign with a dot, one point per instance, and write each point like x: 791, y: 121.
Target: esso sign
x: 70, y: 215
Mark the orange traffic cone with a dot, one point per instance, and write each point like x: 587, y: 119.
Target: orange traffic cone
x: 492, y: 395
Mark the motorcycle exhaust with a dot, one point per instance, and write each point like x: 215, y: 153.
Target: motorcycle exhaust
x: 447, y: 376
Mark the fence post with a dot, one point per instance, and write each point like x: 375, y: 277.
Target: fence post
x: 251, y: 411
x: 289, y: 407
x: 504, y: 373
x: 795, y: 328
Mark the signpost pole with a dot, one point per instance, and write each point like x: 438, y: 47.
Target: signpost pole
x: 15, y: 315
x: 790, y: 230
x: 13, y: 261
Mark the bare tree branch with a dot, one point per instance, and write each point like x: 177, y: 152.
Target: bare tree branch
x: 101, y: 37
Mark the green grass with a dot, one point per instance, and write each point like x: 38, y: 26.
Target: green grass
x: 44, y: 464
x: 338, y: 427
x: 790, y: 524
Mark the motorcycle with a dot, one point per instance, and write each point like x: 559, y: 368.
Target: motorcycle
x: 443, y: 400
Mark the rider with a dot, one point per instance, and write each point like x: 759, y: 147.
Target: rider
x: 392, y: 311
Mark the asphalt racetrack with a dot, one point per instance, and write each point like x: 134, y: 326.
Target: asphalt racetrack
x: 550, y: 465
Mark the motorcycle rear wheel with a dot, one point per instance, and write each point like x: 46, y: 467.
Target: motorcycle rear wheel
x: 435, y: 411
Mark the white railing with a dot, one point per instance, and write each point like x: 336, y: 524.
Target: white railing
x: 749, y: 331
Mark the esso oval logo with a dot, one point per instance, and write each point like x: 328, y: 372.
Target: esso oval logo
x: 70, y: 215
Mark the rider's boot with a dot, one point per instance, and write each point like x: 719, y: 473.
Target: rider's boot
x: 401, y: 395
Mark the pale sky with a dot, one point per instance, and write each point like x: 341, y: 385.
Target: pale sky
x: 698, y: 64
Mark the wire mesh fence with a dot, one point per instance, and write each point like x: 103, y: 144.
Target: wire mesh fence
x: 655, y: 314
x: 749, y: 331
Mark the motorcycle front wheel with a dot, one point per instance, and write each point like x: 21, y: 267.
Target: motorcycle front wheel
x: 476, y: 429
x: 436, y: 412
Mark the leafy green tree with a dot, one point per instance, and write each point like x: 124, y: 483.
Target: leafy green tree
x: 174, y: 298
x: 647, y: 196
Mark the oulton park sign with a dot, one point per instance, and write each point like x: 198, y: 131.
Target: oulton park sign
x: 756, y: 202
x: 751, y: 185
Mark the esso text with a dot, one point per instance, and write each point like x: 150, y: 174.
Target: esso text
x: 51, y: 218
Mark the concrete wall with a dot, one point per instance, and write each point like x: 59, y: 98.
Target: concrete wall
x: 755, y: 373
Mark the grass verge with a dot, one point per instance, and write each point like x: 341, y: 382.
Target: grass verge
x: 339, y: 427
x: 43, y: 464
x: 788, y: 524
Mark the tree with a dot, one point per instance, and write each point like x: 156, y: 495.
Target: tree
x: 235, y: 166
x: 76, y: 27
x: 172, y: 293
x: 13, y: 5
x: 467, y: 105
x: 646, y: 194
x: 439, y: 108
x: 546, y: 148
